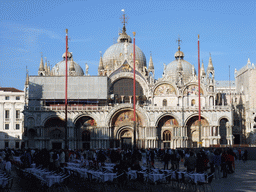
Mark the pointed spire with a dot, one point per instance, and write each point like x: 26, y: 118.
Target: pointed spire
x: 151, y: 65
x: 101, y: 63
x: 123, y: 37
x: 179, y: 66
x: 27, y: 77
x: 248, y: 62
x: 202, y: 73
x: 45, y: 66
x: 72, y: 65
x: 41, y: 67
x: 210, y: 65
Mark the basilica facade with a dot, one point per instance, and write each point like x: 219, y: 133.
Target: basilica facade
x: 100, y: 108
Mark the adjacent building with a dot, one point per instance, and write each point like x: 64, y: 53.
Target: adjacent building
x: 12, y: 103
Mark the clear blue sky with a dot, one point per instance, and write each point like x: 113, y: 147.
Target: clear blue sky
x: 227, y: 30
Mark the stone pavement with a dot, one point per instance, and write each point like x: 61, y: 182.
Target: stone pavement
x: 243, y: 180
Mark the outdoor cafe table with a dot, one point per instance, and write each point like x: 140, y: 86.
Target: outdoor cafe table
x: 3, y: 180
x: 197, y: 177
x: 48, y: 176
x: 101, y: 176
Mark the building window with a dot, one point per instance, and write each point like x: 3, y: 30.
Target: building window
x: 17, y: 144
x: 167, y: 136
x: 6, y: 144
x: 164, y: 102
x: 7, y: 114
x: 6, y: 126
x: 17, y: 97
x: 17, y: 126
x: 7, y: 98
x: 193, y: 102
x: 17, y: 114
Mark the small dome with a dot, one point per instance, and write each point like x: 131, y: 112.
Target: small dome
x: 188, y: 69
x: 60, y: 69
x: 179, y: 54
x: 69, y: 55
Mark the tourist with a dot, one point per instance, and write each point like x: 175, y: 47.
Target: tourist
x: 166, y: 159
x: 245, y: 155
x: 190, y: 162
x: 224, y: 159
x: 8, y: 166
x: 217, y: 164
x: 62, y: 158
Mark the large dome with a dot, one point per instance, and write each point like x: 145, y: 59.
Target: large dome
x: 117, y: 53
x: 60, y: 68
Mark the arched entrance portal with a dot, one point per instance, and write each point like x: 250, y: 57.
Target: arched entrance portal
x: 166, y: 126
x: 84, y: 129
x: 193, y: 130
x: 126, y: 136
x: 122, y: 129
x: 55, y: 129
x: 223, y: 131
x: 31, y: 138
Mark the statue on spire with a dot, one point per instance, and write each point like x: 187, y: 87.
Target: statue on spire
x: 124, y: 20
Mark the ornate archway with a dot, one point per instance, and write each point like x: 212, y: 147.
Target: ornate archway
x: 223, y: 131
x: 193, y: 130
x: 84, y: 131
x: 125, y: 119
x: 165, y: 127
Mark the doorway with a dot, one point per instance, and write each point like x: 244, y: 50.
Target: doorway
x: 126, y: 143
x: 57, y: 145
x: 236, y: 139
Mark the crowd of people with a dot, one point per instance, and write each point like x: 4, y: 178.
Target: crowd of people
x: 197, y: 160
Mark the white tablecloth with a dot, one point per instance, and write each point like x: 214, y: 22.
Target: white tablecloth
x: 110, y: 164
x: 108, y: 176
x: 197, y: 177
x: 108, y: 168
x: 3, y: 181
x: 132, y: 174
x: 51, y: 179
x: 156, y: 177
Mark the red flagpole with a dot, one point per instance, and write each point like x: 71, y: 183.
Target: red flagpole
x: 134, y: 91
x: 66, y: 90
x: 199, y: 95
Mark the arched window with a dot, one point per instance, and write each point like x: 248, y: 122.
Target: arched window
x: 164, y: 102
x: 86, y: 136
x: 167, y: 136
x: 193, y: 102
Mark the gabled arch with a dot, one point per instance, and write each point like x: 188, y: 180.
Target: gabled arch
x: 161, y: 116
x: 193, y: 89
x: 123, y: 107
x: 165, y: 85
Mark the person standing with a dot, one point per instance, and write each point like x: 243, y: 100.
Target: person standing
x: 190, y: 162
x: 166, y: 159
x: 217, y: 164
x: 152, y: 158
x: 8, y: 166
x: 62, y: 158
x: 245, y: 155
x: 224, y: 159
